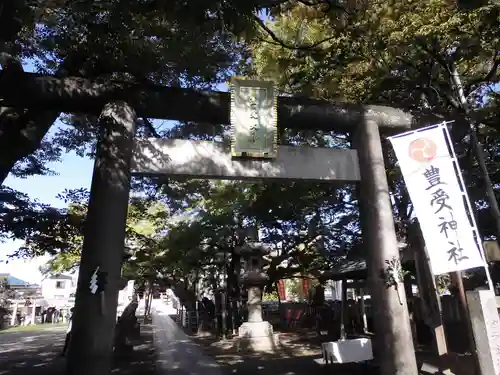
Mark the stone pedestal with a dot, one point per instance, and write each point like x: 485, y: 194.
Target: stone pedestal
x: 486, y: 327
x: 255, y: 334
x: 256, y: 337
x: 347, y: 351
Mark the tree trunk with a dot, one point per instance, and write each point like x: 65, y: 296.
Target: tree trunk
x: 91, y: 348
x: 9, y: 117
x: 22, y: 135
x: 456, y: 83
x: 148, y: 298
x: 234, y: 292
x: 185, y: 296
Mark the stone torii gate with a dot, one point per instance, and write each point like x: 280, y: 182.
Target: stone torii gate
x: 118, y: 152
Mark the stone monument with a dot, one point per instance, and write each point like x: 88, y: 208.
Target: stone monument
x: 255, y: 334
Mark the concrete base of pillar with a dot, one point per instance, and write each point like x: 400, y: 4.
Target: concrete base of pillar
x: 257, y: 337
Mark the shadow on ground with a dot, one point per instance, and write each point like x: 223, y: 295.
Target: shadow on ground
x: 299, y: 353
x: 287, y: 366
x: 39, y: 353
x: 143, y: 359
x: 31, y: 352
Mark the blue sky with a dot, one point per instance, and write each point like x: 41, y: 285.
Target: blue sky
x: 72, y: 172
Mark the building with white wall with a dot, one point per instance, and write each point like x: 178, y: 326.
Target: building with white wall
x: 125, y: 295
x: 58, y: 287
x: 58, y: 291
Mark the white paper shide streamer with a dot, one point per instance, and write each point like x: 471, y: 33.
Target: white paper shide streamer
x: 434, y: 182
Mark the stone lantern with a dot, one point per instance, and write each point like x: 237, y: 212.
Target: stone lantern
x: 255, y: 334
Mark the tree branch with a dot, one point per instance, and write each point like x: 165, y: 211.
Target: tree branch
x: 283, y: 44
x: 151, y: 128
x: 10, y: 64
x: 469, y: 89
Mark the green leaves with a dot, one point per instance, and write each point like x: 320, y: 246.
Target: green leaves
x: 45, y: 229
x: 399, y: 54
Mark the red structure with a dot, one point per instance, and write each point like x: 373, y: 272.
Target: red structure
x: 305, y: 287
x: 281, y: 290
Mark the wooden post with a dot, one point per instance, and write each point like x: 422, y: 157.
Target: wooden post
x: 456, y: 278
x: 344, y: 310
x: 430, y: 298
x: 224, y: 313
x: 394, y: 348
x: 411, y: 307
x: 363, y: 310
x: 91, y: 346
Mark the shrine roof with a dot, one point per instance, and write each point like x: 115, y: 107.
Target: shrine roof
x: 352, y: 269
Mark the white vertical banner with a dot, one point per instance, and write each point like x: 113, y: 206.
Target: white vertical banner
x: 432, y: 175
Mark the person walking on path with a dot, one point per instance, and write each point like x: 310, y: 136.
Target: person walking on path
x: 68, y: 334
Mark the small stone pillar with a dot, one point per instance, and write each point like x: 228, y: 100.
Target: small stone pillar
x: 33, y: 312
x: 13, y: 318
x: 255, y: 334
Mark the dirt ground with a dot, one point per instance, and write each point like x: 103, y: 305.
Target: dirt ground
x: 299, y: 353
x: 38, y: 352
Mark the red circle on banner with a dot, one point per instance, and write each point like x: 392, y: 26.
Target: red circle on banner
x: 422, y: 150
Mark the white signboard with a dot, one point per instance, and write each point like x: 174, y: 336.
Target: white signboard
x: 434, y: 182
x: 253, y: 119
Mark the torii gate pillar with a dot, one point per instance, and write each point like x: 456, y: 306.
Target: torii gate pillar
x: 395, y: 351
x: 91, y: 346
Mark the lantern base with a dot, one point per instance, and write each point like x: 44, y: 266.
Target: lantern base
x: 257, y: 337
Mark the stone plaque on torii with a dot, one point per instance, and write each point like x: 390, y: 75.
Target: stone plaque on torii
x: 117, y: 102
